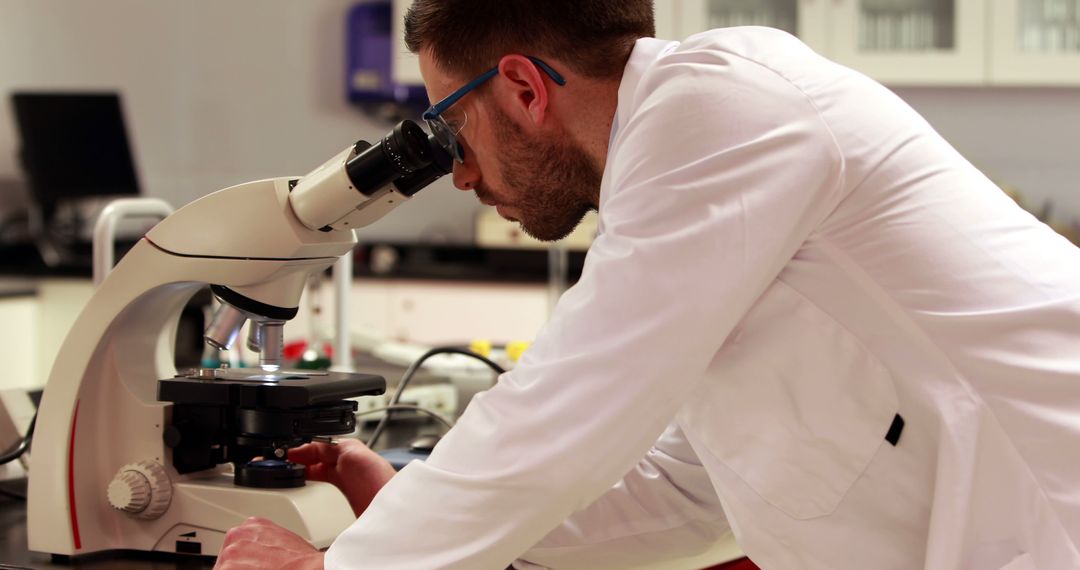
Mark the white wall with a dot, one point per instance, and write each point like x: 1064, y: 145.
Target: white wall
x: 215, y: 92
x: 1023, y: 137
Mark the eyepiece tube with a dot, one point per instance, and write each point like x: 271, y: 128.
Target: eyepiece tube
x: 401, y: 152
x: 442, y: 163
x: 364, y: 182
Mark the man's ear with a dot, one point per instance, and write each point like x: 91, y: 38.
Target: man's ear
x: 525, y: 81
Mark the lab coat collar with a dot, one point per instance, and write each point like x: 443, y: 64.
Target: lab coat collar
x: 646, y: 51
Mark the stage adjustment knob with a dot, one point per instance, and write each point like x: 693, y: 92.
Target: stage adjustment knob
x: 141, y: 489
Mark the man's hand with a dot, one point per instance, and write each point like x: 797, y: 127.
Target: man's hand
x: 259, y: 544
x: 349, y: 465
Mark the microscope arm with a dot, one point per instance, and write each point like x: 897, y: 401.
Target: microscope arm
x: 295, y: 218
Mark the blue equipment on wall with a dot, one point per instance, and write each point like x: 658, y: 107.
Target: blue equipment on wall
x: 369, y: 59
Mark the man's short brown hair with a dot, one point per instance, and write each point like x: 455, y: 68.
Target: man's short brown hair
x: 467, y: 37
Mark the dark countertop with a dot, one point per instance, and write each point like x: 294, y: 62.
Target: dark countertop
x: 14, y: 553
x: 16, y: 287
x: 24, y: 259
x: 444, y: 262
x: 458, y: 263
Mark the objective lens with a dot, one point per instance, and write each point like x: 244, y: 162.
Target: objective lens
x: 224, y: 327
x: 253, y: 334
x: 271, y: 344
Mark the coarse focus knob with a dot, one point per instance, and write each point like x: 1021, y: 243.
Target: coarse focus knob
x: 141, y: 489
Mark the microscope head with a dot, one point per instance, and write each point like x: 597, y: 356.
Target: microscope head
x: 355, y: 188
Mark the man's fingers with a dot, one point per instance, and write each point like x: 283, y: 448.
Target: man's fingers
x: 248, y: 531
x: 319, y: 472
x: 255, y: 555
x: 238, y: 554
x: 235, y: 549
x: 260, y: 544
x: 261, y: 529
x: 243, y: 532
x: 348, y: 443
x: 312, y: 453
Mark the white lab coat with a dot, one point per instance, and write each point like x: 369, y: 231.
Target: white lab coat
x: 790, y: 257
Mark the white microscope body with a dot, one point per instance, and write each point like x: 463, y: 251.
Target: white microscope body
x: 102, y: 477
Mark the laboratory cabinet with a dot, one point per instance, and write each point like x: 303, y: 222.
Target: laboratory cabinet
x: 901, y: 42
x: 912, y: 42
x: 1036, y: 42
x: 807, y: 19
x: 34, y: 326
x: 897, y: 42
x: 18, y: 336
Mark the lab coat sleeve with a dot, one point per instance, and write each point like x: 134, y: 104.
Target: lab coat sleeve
x: 721, y: 170
x: 664, y: 513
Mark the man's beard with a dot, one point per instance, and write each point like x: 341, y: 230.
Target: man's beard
x: 555, y: 182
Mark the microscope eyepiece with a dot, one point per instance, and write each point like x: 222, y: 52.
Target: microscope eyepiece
x: 441, y: 164
x: 402, y: 151
x: 363, y: 183
x: 408, y: 139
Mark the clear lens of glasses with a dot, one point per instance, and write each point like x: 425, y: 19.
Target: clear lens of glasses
x: 446, y: 135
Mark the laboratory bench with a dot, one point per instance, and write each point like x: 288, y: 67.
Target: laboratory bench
x: 15, y: 287
x: 23, y: 260
x: 387, y: 260
x: 15, y: 556
x: 372, y: 260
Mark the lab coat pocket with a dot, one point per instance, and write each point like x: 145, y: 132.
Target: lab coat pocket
x: 794, y: 404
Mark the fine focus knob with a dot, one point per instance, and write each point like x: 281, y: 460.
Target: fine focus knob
x: 141, y: 489
x: 129, y: 491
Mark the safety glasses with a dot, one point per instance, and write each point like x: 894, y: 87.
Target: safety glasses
x: 446, y: 126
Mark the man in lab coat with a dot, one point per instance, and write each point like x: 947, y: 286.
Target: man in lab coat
x: 805, y: 315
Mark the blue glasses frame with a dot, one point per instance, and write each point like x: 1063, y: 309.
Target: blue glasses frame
x: 444, y: 133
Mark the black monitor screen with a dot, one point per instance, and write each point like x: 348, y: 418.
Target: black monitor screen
x: 74, y: 145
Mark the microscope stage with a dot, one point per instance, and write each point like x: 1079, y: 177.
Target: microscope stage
x: 257, y: 388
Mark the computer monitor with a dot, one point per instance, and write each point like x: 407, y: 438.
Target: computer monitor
x: 73, y: 145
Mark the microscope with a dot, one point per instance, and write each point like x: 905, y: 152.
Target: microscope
x: 129, y: 454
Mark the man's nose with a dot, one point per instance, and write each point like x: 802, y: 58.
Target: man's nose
x: 466, y: 175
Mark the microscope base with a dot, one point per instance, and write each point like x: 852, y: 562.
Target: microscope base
x: 206, y: 508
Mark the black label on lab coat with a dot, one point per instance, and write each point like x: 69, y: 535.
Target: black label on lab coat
x: 894, y: 430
